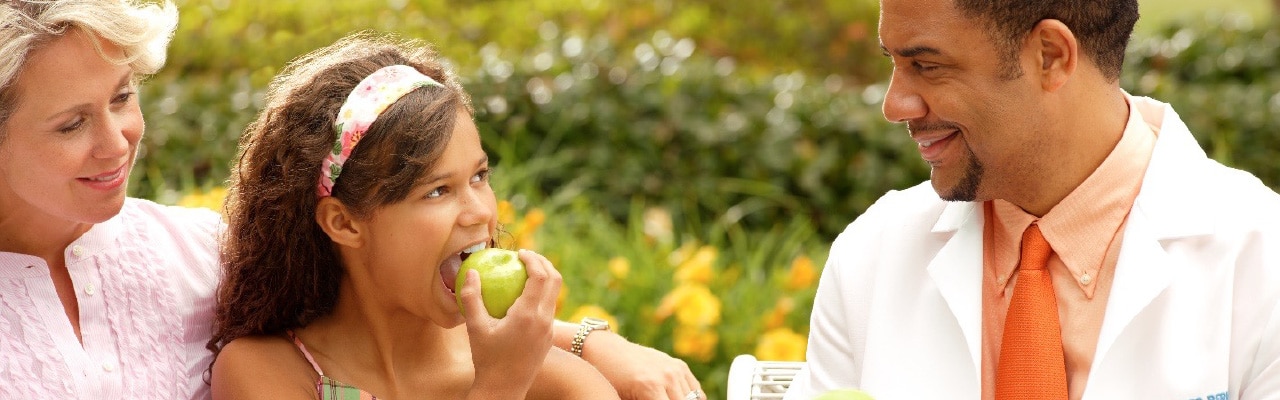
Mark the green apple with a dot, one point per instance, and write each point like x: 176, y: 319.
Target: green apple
x: 502, y: 278
x: 844, y: 394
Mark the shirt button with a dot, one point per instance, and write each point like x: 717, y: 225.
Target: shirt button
x: 109, y: 367
x: 1085, y: 278
x: 77, y: 250
x: 90, y: 289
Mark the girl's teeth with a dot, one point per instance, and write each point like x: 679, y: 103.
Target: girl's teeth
x: 477, y: 247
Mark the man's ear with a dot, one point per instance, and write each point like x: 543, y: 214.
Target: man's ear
x: 339, y: 222
x: 1056, y: 51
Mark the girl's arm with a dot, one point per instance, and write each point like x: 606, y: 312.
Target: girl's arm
x: 636, y: 372
x: 565, y: 376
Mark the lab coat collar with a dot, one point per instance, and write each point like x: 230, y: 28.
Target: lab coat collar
x: 1171, y: 189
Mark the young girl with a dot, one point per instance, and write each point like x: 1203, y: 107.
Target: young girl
x: 359, y: 190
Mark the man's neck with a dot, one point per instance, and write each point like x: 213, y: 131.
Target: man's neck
x: 1087, y: 130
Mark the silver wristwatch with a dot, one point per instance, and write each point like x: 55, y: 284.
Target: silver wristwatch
x: 588, y: 325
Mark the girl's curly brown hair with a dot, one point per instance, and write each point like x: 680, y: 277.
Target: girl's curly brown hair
x: 280, y: 270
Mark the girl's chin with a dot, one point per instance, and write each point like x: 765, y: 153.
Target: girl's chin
x: 449, y: 309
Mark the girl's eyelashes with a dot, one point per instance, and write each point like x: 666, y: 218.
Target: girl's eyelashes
x: 482, y: 176
x: 437, y: 192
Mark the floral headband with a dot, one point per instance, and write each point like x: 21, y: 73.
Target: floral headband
x: 368, y: 100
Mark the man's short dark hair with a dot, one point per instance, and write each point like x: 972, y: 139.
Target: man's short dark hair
x: 1102, y: 26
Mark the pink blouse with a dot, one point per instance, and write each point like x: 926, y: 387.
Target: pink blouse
x: 145, y: 281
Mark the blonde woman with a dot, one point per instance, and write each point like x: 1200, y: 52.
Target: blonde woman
x: 101, y: 296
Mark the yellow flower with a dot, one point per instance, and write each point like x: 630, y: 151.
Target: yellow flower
x: 524, y: 235
x: 802, y: 275
x: 778, y: 315
x: 619, y: 267
x: 526, y: 242
x: 698, y: 268
x: 695, y: 343
x: 693, y: 305
x: 781, y: 344
x: 506, y: 212
x: 679, y: 255
x: 592, y: 310
x: 213, y: 199
x: 533, y: 220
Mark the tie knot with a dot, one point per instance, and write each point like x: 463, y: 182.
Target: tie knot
x: 1035, y: 250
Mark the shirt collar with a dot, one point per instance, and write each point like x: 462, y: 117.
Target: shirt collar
x: 1082, y: 226
x: 100, y: 239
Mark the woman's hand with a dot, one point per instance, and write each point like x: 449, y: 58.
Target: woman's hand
x: 508, y: 352
x: 638, y: 372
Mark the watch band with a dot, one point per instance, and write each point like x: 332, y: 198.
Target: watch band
x: 585, y: 328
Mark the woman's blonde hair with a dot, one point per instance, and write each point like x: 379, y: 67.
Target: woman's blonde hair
x: 141, y: 30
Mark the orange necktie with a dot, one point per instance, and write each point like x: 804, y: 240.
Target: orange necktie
x: 1032, y: 365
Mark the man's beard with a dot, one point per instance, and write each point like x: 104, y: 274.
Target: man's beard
x: 967, y: 188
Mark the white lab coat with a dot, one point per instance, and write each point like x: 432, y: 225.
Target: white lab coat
x: 1194, y: 309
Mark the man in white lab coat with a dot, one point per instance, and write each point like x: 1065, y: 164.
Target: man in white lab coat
x: 1165, y: 265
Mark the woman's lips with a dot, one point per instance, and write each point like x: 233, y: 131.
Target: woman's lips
x: 106, y: 181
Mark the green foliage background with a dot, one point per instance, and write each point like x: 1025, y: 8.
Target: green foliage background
x: 756, y: 127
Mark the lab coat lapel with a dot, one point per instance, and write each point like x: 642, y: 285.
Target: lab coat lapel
x: 957, y: 271
x: 1159, y: 215
x: 1143, y: 270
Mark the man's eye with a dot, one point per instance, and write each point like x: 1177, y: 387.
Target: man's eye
x: 923, y: 67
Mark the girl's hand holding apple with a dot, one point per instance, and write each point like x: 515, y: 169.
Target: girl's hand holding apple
x: 507, y: 351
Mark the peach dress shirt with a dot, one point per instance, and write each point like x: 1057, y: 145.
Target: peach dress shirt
x: 1084, y: 230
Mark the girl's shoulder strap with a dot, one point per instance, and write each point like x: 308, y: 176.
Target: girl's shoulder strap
x: 326, y: 387
x: 303, y: 348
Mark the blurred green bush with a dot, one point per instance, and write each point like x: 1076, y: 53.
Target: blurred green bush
x: 669, y: 128
x: 1221, y: 72
x: 710, y: 126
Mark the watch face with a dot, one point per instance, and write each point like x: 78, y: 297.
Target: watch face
x: 595, y: 323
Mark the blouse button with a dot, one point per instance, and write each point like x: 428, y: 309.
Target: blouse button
x: 109, y: 367
x: 90, y: 289
x: 77, y: 250
x: 1085, y: 278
